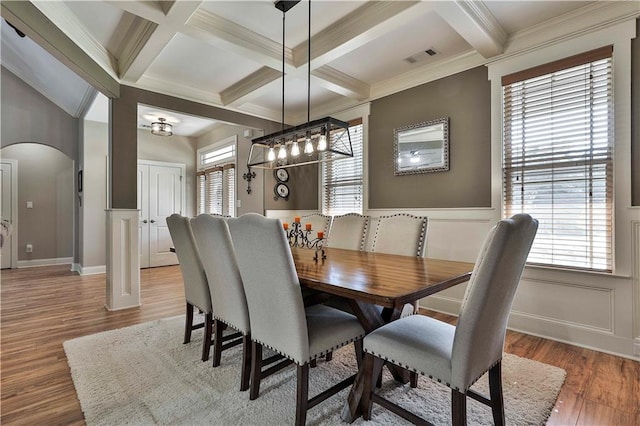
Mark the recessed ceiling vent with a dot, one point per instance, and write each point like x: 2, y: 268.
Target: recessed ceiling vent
x: 421, y: 56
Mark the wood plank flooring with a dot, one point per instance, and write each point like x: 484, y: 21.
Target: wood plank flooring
x: 43, y: 307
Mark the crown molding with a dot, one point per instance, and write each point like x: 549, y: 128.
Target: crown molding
x: 584, y: 20
x: 63, y: 18
x: 341, y: 83
x: 218, y: 31
x: 87, y: 99
x: 137, y: 37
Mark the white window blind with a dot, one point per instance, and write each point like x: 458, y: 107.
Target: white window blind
x: 558, y: 136
x: 216, y: 190
x: 342, y: 180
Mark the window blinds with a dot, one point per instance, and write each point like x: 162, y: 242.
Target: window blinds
x: 342, y: 187
x: 216, y: 190
x: 558, y: 134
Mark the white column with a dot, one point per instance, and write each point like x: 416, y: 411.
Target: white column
x: 123, y: 259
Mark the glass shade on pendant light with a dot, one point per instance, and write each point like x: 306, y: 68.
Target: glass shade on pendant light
x: 295, y: 149
x: 282, y: 152
x: 271, y: 156
x: 322, y: 140
x: 308, y: 146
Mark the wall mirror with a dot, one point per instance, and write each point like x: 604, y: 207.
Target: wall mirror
x: 422, y: 147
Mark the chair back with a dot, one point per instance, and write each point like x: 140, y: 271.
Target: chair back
x: 276, y: 309
x: 319, y: 222
x: 196, y: 288
x: 348, y: 231
x: 481, y: 328
x: 218, y: 257
x: 402, y: 234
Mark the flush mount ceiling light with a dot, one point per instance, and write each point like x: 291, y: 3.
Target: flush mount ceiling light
x: 326, y: 139
x: 161, y: 127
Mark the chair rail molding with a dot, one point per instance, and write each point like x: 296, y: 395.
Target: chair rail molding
x: 123, y: 259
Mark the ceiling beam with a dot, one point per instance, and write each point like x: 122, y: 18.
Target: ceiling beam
x: 149, y: 39
x: 249, y: 88
x: 51, y: 37
x: 475, y: 23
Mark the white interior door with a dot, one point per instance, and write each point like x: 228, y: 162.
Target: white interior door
x: 160, y: 193
x: 6, y: 206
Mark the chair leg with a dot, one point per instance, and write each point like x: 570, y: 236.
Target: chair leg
x: 206, y: 344
x: 217, y: 342
x: 328, y: 357
x: 413, y: 378
x: 495, y: 392
x: 313, y: 363
x: 302, y: 394
x: 357, y: 346
x: 256, y: 361
x: 188, y: 323
x: 372, y: 369
x: 458, y: 408
x: 246, y: 362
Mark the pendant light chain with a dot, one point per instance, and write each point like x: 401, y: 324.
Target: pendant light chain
x: 309, y: 68
x: 284, y: 14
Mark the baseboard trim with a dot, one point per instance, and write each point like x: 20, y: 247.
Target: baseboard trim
x: 45, y: 262
x: 92, y: 270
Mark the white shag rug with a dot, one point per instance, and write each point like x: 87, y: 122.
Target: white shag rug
x: 143, y: 375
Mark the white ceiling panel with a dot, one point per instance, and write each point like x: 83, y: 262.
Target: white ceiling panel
x: 101, y: 20
x: 518, y: 15
x: 193, y: 62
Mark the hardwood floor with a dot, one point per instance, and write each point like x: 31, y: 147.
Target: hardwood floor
x: 43, y: 307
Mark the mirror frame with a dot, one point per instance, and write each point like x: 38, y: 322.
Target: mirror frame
x: 426, y: 169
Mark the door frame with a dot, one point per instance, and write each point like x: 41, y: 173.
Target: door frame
x: 14, y: 210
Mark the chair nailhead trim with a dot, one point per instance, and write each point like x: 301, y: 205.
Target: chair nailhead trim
x: 422, y: 237
x: 429, y: 375
x: 326, y: 351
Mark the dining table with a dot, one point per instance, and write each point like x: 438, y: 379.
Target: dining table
x: 376, y: 287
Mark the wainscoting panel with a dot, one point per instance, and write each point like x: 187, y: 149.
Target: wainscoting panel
x: 575, y: 305
x: 123, y: 259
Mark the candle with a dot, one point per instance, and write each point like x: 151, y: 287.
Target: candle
x: 320, y: 235
x: 296, y: 219
x: 307, y: 226
x: 285, y: 225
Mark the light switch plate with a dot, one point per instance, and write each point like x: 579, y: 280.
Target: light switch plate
x: 29, y: 204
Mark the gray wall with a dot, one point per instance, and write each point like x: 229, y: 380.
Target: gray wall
x: 27, y: 116
x: 303, y: 189
x: 46, y: 178
x: 466, y: 99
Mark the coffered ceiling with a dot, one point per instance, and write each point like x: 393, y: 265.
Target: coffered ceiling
x: 229, y: 53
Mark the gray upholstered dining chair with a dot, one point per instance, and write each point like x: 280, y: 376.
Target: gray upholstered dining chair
x: 279, y: 320
x: 229, y: 303
x: 348, y: 231
x: 403, y: 234
x: 196, y: 288
x: 459, y: 355
x: 319, y: 222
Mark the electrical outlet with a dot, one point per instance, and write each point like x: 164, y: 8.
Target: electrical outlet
x: 29, y: 248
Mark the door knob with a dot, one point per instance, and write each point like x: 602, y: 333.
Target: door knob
x: 153, y: 221
x: 144, y: 221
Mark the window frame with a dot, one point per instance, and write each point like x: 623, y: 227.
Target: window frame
x: 360, y: 121
x: 545, y: 89
x: 620, y: 36
x: 223, y: 164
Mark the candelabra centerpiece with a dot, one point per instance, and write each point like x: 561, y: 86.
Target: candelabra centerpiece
x: 299, y: 237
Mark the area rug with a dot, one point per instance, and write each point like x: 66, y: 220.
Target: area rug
x: 143, y: 375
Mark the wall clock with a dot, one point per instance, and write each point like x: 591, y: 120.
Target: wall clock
x: 282, y: 175
x: 281, y: 190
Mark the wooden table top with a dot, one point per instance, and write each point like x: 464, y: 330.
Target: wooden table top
x: 382, y: 279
